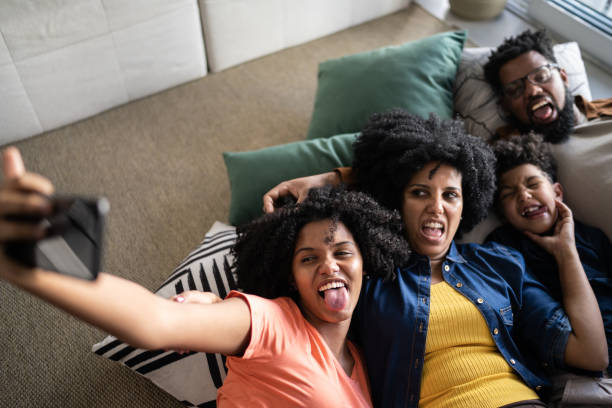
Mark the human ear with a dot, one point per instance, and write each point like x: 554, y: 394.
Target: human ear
x: 558, y: 189
x: 563, y: 75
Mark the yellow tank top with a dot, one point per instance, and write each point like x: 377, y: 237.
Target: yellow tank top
x: 463, y: 367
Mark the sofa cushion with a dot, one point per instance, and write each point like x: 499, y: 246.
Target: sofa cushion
x: 417, y: 76
x: 191, y: 378
x: 252, y: 174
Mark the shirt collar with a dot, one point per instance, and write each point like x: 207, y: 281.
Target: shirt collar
x: 453, y: 256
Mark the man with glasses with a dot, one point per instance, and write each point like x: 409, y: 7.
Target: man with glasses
x: 533, y: 89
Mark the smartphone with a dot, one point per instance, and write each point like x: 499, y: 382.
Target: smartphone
x: 74, y: 241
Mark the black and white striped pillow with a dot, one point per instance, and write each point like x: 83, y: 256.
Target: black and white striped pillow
x: 191, y: 378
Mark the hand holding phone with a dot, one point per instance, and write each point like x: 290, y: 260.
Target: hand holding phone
x: 73, y: 244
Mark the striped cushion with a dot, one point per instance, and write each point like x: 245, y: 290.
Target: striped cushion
x: 191, y: 378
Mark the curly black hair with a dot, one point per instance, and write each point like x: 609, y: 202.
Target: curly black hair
x: 264, y: 249
x: 529, y: 148
x: 513, y: 47
x: 394, y: 146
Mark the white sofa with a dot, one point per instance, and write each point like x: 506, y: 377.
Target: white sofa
x: 65, y: 60
x: 240, y: 30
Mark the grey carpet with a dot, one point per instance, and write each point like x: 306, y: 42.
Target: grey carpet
x: 158, y: 160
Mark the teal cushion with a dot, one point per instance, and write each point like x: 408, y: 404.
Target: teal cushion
x: 252, y: 174
x: 417, y: 76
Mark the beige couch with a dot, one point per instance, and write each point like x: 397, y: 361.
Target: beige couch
x: 63, y: 61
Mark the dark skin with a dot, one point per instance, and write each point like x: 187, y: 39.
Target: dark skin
x: 552, y: 92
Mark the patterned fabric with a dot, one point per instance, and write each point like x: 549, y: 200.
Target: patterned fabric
x: 192, y: 378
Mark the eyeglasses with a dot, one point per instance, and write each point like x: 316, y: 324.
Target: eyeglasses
x: 538, y: 76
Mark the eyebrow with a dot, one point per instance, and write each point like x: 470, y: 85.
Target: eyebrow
x: 427, y: 186
x: 529, y: 179
x: 337, y: 244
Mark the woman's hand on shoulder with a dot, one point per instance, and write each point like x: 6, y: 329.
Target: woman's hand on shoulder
x: 298, y: 188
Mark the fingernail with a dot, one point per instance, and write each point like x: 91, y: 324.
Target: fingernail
x: 179, y: 299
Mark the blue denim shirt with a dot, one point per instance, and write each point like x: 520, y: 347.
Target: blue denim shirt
x: 391, y: 319
x: 595, y: 253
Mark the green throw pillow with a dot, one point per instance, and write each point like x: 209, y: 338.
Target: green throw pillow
x: 252, y: 174
x: 417, y: 76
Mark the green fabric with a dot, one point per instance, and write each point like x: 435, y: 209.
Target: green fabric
x: 252, y: 174
x: 417, y: 76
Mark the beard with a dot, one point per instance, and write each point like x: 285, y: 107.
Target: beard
x: 557, y: 131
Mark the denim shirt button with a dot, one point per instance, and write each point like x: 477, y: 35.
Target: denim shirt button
x: 459, y: 284
x: 479, y: 300
x: 495, y: 331
x: 512, y: 361
x: 538, y: 387
x: 446, y: 268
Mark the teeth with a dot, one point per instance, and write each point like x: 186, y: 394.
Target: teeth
x: 529, y: 209
x: 433, y: 224
x: 331, y: 285
x: 539, y: 105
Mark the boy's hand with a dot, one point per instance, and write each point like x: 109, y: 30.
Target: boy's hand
x: 562, y: 241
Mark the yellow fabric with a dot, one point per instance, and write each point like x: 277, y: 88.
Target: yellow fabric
x: 463, y: 367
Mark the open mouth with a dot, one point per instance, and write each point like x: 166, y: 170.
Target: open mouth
x: 542, y: 111
x: 533, y: 211
x: 433, y: 229
x: 335, y: 294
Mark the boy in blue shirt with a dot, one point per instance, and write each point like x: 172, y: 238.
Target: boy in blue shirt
x: 529, y: 201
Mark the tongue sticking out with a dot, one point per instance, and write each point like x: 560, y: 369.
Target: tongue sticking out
x: 336, y: 299
x: 543, y: 113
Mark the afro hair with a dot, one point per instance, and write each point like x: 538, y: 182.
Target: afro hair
x: 529, y: 148
x: 513, y: 47
x: 265, y: 247
x: 394, y: 146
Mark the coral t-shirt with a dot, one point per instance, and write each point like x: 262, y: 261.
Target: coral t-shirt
x: 288, y: 364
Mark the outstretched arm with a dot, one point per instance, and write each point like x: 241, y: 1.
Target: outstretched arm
x: 586, y: 346
x: 120, y: 307
x: 137, y: 316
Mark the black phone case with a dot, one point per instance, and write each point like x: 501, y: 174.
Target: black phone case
x: 74, y: 241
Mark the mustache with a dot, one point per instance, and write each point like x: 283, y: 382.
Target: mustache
x: 557, y: 131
